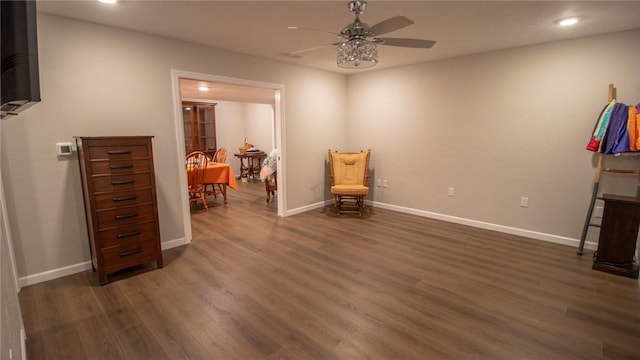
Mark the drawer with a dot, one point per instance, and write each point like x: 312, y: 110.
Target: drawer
x: 118, y: 152
x: 121, y: 182
x: 127, y: 235
x: 119, y: 257
x: 125, y: 216
x: 123, y: 198
x: 115, y: 167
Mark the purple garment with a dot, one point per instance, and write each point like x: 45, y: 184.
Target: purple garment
x: 616, y: 139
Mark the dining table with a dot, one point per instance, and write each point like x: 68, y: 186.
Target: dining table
x: 222, y: 174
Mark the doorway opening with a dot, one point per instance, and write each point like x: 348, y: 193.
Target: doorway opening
x: 217, y: 90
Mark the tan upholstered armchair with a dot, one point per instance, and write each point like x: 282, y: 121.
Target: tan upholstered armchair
x: 349, y: 180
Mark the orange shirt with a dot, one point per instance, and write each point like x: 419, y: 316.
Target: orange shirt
x: 633, y: 126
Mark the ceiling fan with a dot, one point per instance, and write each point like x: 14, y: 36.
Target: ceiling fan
x: 357, y: 49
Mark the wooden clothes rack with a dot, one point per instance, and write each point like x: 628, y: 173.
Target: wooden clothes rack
x: 596, y: 184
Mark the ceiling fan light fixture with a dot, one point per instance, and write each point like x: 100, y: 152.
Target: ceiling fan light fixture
x: 357, y: 54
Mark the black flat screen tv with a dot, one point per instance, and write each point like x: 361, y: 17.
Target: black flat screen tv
x: 20, y: 78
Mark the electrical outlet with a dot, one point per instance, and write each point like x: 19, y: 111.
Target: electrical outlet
x: 524, y: 202
x: 450, y: 192
x: 378, y: 182
x: 385, y: 183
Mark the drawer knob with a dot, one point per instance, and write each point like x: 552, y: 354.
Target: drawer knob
x: 118, y: 152
x: 131, y: 252
x: 124, y: 198
x: 129, y: 234
x: 126, y: 216
x: 120, y: 166
x: 122, y: 182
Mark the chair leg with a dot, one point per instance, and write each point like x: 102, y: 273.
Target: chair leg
x: 223, y: 190
x: 212, y: 191
x: 204, y: 201
x: 270, y: 195
x: 349, y: 204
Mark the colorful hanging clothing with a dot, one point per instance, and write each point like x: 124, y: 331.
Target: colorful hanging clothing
x: 616, y: 139
x: 633, y: 126
x: 638, y: 127
x: 600, y: 127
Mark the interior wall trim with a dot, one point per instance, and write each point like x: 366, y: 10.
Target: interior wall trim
x: 557, y: 239
x: 54, y: 273
x: 309, y: 207
x: 72, y: 269
x: 280, y: 134
x: 80, y: 267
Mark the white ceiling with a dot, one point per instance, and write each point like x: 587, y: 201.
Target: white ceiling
x: 259, y: 28
x: 189, y: 90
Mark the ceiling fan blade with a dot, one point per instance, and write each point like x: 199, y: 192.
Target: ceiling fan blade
x: 389, y: 25
x: 313, y: 30
x: 410, y: 43
x: 298, y: 54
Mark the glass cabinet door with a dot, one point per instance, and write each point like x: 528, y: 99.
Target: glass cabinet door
x: 199, y: 121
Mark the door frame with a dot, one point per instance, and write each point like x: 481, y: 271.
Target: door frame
x: 176, y: 75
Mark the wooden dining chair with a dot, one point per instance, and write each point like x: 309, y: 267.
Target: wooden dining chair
x: 220, y: 156
x: 196, y: 164
x: 271, y: 185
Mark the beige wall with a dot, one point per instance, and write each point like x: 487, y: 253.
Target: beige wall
x: 259, y: 125
x: 237, y: 120
x: 98, y: 80
x: 496, y: 127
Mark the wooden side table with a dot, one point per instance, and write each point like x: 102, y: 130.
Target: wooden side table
x: 618, y: 236
x: 250, y: 163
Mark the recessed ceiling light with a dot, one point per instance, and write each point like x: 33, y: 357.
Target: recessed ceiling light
x: 203, y: 88
x: 108, y: 1
x: 568, y: 21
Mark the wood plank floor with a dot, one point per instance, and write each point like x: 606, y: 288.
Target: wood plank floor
x: 317, y: 286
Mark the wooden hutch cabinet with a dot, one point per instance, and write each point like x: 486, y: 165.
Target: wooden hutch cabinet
x: 199, y: 120
x: 119, y: 190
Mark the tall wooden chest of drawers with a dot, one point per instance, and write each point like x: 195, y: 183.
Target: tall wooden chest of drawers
x: 119, y: 191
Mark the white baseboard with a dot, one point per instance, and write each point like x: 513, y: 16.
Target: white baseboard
x: 488, y: 226
x: 308, y: 208
x: 166, y: 245
x: 54, y: 274
x: 72, y: 269
x: 23, y: 343
x: 80, y: 267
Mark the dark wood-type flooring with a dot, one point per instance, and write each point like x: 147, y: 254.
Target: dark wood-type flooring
x: 317, y: 286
